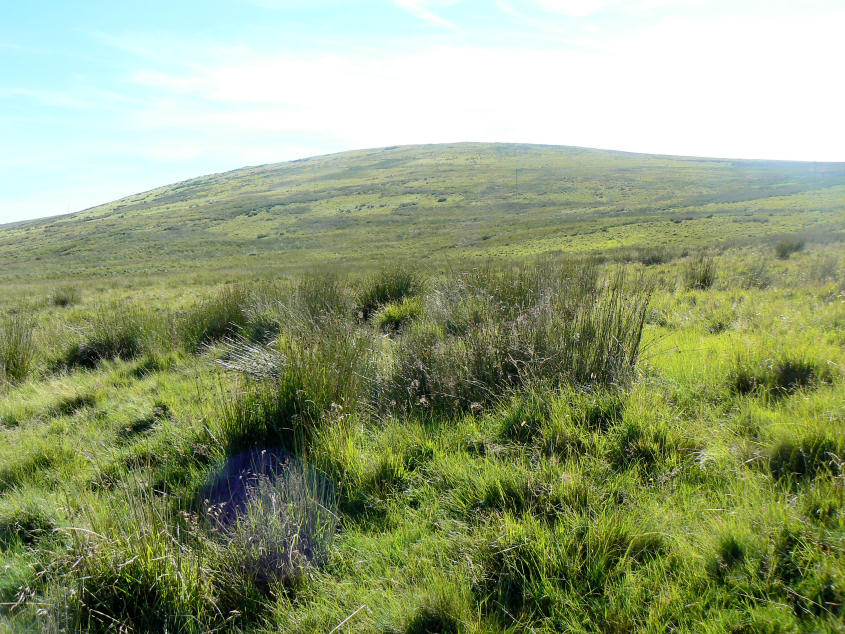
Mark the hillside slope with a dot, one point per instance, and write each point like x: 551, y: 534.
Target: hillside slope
x: 438, y: 201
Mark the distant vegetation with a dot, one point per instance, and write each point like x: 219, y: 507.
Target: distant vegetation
x: 428, y: 205
x: 628, y: 432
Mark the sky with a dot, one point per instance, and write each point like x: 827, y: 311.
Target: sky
x: 102, y: 99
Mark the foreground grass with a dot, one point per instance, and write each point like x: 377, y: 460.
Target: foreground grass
x: 553, y: 447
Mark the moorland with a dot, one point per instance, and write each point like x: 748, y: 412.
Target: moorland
x: 463, y: 388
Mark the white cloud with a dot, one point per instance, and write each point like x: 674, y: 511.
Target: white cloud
x: 577, y: 8
x: 424, y: 10
x: 743, y: 88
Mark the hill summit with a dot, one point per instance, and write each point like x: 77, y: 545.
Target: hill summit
x: 431, y: 202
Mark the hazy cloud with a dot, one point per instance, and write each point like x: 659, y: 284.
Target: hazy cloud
x: 425, y: 10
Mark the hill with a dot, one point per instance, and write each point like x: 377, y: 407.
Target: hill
x: 203, y: 429
x: 430, y: 203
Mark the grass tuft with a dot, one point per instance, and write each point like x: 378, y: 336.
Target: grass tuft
x: 220, y: 315
x: 395, y: 316
x: 122, y: 332
x: 778, y: 376
x: 17, y: 347
x: 24, y: 523
x: 785, y: 247
x: 700, y: 272
x: 389, y: 285
x: 430, y: 619
x: 286, y: 525
x: 805, y: 458
x: 65, y: 296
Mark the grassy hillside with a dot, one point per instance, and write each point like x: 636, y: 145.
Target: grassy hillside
x: 611, y: 401
x: 429, y: 203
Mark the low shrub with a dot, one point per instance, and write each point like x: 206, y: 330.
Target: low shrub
x: 17, y: 347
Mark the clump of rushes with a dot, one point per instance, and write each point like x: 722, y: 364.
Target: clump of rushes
x: 806, y: 457
x: 17, y: 347
x: 785, y: 247
x: 290, y: 382
x: 286, y: 526
x: 65, y: 296
x: 389, y: 285
x: 395, y: 316
x: 318, y: 296
x: 777, y: 376
x: 476, y: 348
x: 220, y: 315
x: 700, y: 272
x: 117, y: 332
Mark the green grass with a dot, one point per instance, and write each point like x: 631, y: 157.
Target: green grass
x: 17, y: 350
x: 591, y: 440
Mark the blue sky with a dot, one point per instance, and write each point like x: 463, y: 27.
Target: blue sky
x: 103, y: 99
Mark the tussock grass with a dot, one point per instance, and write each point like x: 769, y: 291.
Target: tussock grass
x: 17, y: 347
x: 319, y: 296
x: 215, y: 317
x: 384, y: 287
x: 118, y: 332
x: 803, y: 458
x: 531, y: 570
x: 24, y: 521
x: 776, y: 376
x: 393, y: 317
x: 785, y: 247
x: 150, y: 569
x: 700, y: 272
x: 286, y: 525
x: 141, y: 579
x: 64, y: 296
x: 529, y: 330
x: 756, y: 275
